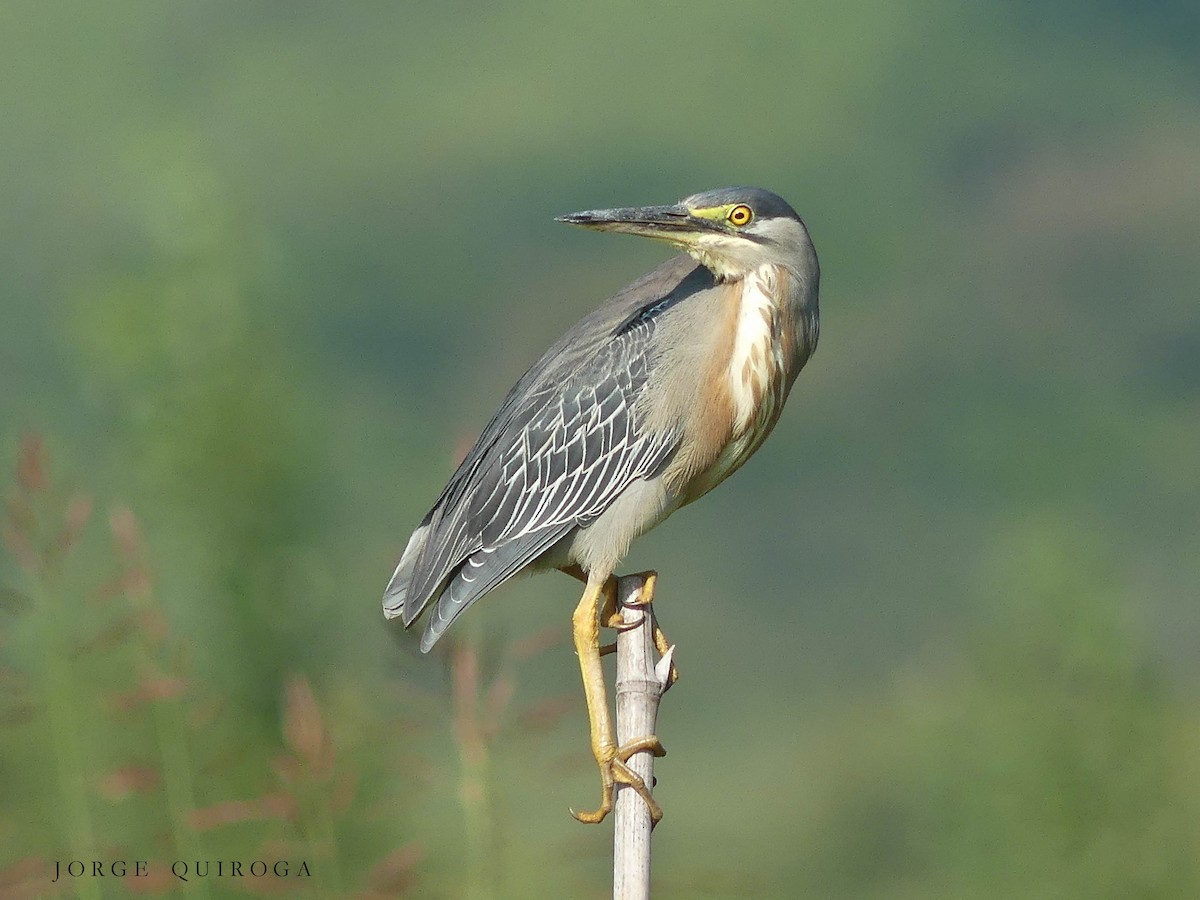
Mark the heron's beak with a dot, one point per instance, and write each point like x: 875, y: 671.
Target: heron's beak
x: 674, y: 223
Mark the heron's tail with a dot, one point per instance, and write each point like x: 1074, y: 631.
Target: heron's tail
x: 395, y: 598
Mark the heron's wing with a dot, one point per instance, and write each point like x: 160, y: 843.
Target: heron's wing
x: 571, y: 450
x: 674, y: 280
x: 565, y: 443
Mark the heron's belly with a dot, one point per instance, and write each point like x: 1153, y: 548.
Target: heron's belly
x: 600, y: 545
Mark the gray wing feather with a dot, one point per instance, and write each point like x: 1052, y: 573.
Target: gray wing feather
x: 566, y: 441
x: 483, y: 571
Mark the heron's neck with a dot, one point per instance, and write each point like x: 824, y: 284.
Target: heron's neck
x: 723, y: 268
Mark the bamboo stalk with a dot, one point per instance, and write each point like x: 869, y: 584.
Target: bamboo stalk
x: 642, y: 677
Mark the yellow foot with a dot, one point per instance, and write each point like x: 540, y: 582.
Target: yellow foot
x: 599, y: 604
x: 614, y: 771
x: 611, y: 617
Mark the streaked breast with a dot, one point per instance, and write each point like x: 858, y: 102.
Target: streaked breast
x: 756, y: 364
x: 755, y: 380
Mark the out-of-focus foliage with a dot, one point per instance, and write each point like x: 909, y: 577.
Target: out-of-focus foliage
x: 268, y: 266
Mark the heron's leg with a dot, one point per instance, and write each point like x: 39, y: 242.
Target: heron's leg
x: 612, y: 618
x: 609, y: 757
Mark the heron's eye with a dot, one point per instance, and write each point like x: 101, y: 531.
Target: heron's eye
x: 740, y: 215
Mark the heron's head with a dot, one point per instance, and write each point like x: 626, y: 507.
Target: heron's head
x: 732, y: 231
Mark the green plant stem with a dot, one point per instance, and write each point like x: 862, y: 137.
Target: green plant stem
x: 329, y: 839
x: 474, y: 793
x: 65, y: 733
x: 478, y: 824
x: 177, y: 781
x: 174, y: 754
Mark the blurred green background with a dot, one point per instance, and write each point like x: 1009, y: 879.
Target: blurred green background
x: 268, y: 267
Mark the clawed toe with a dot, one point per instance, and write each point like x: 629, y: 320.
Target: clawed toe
x: 614, y: 771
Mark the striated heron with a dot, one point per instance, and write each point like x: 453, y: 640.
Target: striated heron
x: 648, y: 403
